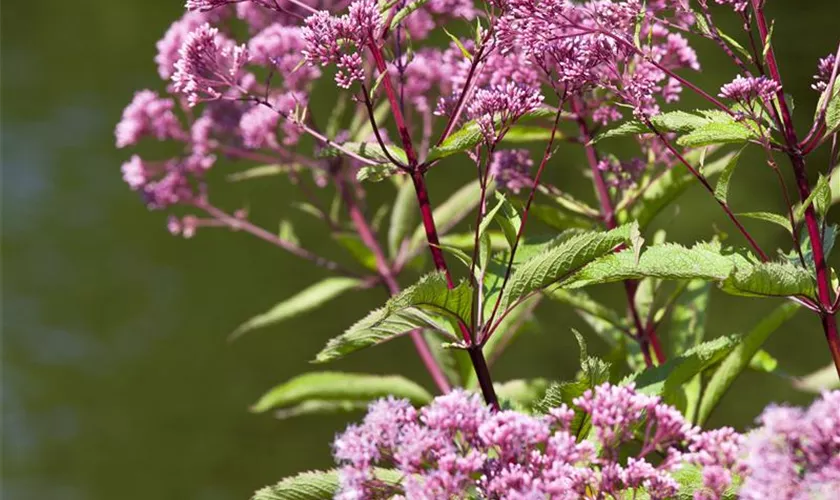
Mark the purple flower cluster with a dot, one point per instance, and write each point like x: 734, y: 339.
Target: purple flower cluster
x: 825, y: 67
x: 456, y: 447
x: 745, y: 89
x: 511, y: 169
x: 795, y: 454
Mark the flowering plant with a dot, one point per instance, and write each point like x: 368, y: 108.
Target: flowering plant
x: 423, y: 82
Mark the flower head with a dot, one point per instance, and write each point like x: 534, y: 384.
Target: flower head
x: 511, y: 169
x: 824, y: 70
x: 496, y: 108
x: 745, y: 89
x: 209, y: 65
x: 148, y: 115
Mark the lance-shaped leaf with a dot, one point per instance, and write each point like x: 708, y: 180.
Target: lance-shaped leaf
x: 560, y: 262
x: 403, y: 217
x: 739, y: 359
x: 769, y: 279
x: 339, y: 386
x: 306, y: 300
x: 402, y: 313
x: 667, y: 379
x: 731, y: 132
x: 665, y: 261
x: 319, y: 485
x: 469, y: 136
x: 370, y: 150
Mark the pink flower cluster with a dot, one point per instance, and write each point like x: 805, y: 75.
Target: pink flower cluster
x: 795, y: 454
x: 456, y: 447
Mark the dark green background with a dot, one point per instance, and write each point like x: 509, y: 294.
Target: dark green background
x: 117, y: 379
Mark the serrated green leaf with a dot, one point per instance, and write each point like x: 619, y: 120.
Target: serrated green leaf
x: 777, y: 219
x: 769, y: 279
x: 633, y: 127
x: 339, y: 386
x: 740, y: 357
x: 665, y: 261
x: 376, y: 328
x: 560, y: 262
x: 820, y: 196
x: 450, y: 212
x: 403, y: 217
x: 402, y: 313
x: 722, y: 186
x: 319, y: 485
x: 832, y: 112
x: 307, y: 299
x: 716, y: 133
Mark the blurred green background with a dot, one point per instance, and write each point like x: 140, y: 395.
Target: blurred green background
x: 117, y: 378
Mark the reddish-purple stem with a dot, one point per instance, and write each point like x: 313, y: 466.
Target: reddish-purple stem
x: 405, y: 136
x: 384, y: 268
x: 829, y: 322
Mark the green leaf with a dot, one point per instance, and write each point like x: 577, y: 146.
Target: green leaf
x: 261, y: 171
x: 690, y: 479
x: 370, y: 150
x: 763, y: 361
x: 376, y: 173
x: 627, y: 128
x: 581, y: 301
x: 594, y: 372
x: 824, y: 379
x: 469, y: 136
x: 832, y: 112
x: 317, y: 407
x: 722, y: 186
x: 558, y: 219
x: 667, y: 379
x: 665, y: 261
x: 357, y: 248
x: 450, y: 212
x: 521, y: 393
x: 777, y: 219
x: 339, y: 386
x: 405, y: 11
x: 560, y: 262
x: 402, y: 313
x: 508, y: 219
x: 377, y: 327
x: 403, y: 217
x: 740, y: 357
x: 307, y: 299
x: 529, y: 133
x: 319, y: 485
x: 457, y: 42
x: 822, y: 197
x: 716, y: 133
x: 769, y: 279
x: 688, y: 317
x: 287, y: 232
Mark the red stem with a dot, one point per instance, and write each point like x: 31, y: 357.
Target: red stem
x: 405, y: 136
x: 645, y: 336
x: 829, y: 322
x: 476, y: 355
x: 384, y: 269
